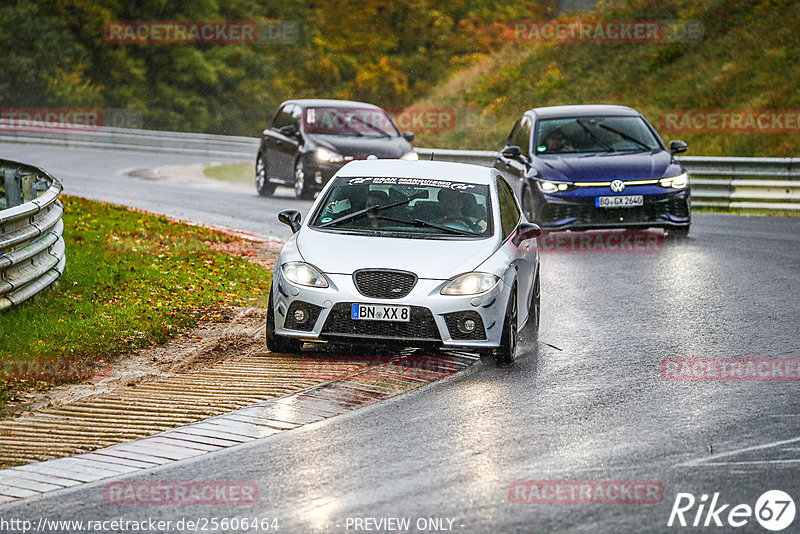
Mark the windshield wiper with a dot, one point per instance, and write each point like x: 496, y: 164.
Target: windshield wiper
x: 373, y: 209
x: 362, y: 121
x: 420, y: 222
x: 594, y: 137
x: 625, y: 136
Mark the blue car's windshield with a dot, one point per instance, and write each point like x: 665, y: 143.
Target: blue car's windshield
x: 594, y: 134
x: 396, y: 205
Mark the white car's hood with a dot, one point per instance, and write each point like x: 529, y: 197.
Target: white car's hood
x: 441, y: 259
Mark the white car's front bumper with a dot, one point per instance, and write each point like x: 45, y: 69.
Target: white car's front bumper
x: 328, y: 311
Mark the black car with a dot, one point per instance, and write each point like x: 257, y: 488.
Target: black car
x: 309, y: 140
x: 599, y: 166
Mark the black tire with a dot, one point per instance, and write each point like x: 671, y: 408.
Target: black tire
x: 263, y: 186
x: 532, y: 326
x: 302, y: 187
x: 276, y: 343
x: 527, y: 204
x: 506, y: 353
x: 678, y: 233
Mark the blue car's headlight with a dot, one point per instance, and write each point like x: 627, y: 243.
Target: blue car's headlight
x: 675, y: 182
x: 470, y: 284
x: 303, y: 274
x: 548, y: 186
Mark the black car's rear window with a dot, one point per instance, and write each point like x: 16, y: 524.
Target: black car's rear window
x: 366, y: 122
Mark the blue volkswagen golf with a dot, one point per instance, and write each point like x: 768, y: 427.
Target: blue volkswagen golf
x: 597, y: 166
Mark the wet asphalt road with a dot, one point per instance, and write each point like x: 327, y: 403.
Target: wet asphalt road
x: 586, y: 403
x: 103, y: 175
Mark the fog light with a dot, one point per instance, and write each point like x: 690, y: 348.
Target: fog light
x: 467, y: 326
x: 300, y: 316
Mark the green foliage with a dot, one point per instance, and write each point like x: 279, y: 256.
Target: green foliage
x: 131, y: 280
x: 749, y: 59
x: 383, y: 52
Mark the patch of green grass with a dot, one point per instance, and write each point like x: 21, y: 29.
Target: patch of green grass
x: 235, y: 172
x: 132, y: 280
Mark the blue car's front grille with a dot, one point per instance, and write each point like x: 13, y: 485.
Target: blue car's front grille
x: 588, y: 213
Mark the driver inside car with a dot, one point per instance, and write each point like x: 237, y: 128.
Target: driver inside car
x: 456, y: 208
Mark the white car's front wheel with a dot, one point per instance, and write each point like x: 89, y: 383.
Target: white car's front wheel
x: 506, y: 353
x: 276, y: 343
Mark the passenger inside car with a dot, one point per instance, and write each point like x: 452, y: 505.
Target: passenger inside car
x: 556, y: 141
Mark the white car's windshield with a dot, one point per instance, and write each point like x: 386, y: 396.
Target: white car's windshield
x: 395, y: 205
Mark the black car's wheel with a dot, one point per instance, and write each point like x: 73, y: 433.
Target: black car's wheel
x: 276, y: 343
x: 263, y: 186
x: 302, y: 188
x: 678, y: 233
x: 527, y: 204
x: 506, y: 353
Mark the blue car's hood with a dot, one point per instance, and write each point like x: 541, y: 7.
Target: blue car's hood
x: 607, y: 166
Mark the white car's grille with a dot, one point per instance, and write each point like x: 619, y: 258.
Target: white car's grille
x: 384, y: 283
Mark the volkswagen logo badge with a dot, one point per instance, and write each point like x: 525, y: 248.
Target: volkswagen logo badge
x: 617, y: 186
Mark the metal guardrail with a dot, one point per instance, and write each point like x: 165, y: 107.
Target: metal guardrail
x: 128, y: 139
x: 738, y: 184
x: 761, y: 184
x: 32, y: 251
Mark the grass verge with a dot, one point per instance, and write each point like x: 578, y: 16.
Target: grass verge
x: 234, y: 172
x: 132, y: 280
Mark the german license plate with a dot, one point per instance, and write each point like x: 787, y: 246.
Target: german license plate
x: 380, y: 312
x: 629, y: 201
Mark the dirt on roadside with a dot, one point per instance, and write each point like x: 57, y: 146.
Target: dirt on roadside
x: 229, y: 332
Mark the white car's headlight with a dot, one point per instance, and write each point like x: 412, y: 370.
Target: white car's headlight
x: 410, y: 156
x: 470, y: 284
x: 303, y: 274
x: 323, y: 154
x: 675, y: 182
x: 552, y: 187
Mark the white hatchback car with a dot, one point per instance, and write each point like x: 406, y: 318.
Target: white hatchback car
x: 408, y: 253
